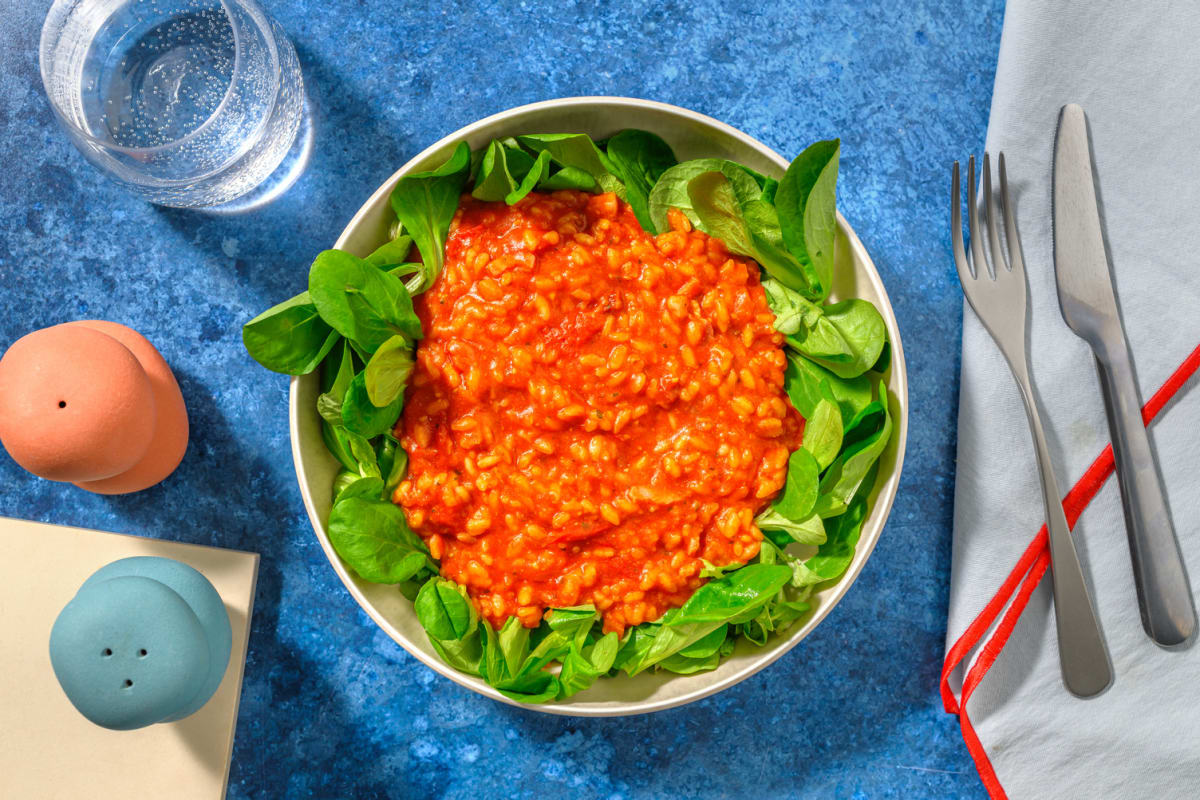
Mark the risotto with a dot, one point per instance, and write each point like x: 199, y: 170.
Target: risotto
x: 596, y: 413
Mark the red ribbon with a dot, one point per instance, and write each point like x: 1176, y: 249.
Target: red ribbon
x: 1021, y: 582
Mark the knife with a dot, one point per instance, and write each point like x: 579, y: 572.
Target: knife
x: 1089, y: 306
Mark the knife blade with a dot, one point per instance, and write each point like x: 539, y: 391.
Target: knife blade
x: 1089, y: 307
x: 1085, y: 290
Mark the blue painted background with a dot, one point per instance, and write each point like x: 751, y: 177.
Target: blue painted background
x: 331, y: 707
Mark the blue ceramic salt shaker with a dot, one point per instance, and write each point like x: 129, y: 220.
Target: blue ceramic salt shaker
x: 145, y: 640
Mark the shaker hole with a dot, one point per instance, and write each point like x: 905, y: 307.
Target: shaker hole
x: 128, y: 684
x: 62, y: 403
x: 106, y: 652
x: 142, y: 653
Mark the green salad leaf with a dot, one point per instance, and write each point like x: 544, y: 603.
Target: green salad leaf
x: 640, y: 158
x: 793, y: 312
x: 671, y: 191
x: 806, y: 201
x: 387, y: 373
x: 706, y: 645
x: 464, y: 654
x: 507, y: 172
x: 730, y: 206
x: 847, y: 338
x: 783, y: 608
x: 768, y: 185
x: 834, y: 557
x: 360, y: 301
x: 393, y: 464
x: 710, y: 570
x: 799, y: 493
x: 393, y: 254
x: 776, y: 616
x: 425, y: 203
x: 578, y: 153
x: 290, y: 338
x: 536, y: 175
x: 812, y: 395
x: 718, y: 602
x: 714, y: 200
x: 867, y: 436
x: 373, y: 538
x: 360, y: 415
x: 804, y: 377
x: 444, y: 610
x: 451, y: 622
x: 783, y: 531
x: 688, y: 665
x: 573, y: 622
x: 507, y: 668
x: 731, y: 596
x: 791, y: 517
x: 336, y: 373
x: 494, y: 181
x: 569, y: 178
x: 348, y: 484
x: 581, y: 666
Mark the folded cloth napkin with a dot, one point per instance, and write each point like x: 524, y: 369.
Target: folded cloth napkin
x: 1135, y: 68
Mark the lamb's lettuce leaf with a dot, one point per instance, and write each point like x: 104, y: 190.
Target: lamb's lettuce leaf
x: 731, y: 207
x: 393, y: 254
x: 360, y: 301
x: 806, y: 202
x: 866, y: 437
x: 534, y: 177
x: 577, y: 151
x: 387, y: 373
x: 847, y: 338
x: 290, y: 338
x: 425, y: 203
x: 373, y: 538
x: 718, y: 602
x: 639, y: 158
x: 848, y: 341
x: 671, y: 191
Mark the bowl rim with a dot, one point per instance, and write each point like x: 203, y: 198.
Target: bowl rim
x: 877, y: 517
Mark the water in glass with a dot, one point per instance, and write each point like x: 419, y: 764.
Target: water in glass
x: 188, y: 102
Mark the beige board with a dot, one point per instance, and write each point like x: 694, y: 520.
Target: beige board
x: 47, y: 748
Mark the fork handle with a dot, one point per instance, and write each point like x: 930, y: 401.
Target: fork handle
x: 1083, y: 655
x: 1164, y: 596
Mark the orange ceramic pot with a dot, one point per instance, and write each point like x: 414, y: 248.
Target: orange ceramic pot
x: 93, y: 403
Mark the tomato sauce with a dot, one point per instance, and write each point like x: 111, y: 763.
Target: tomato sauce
x: 595, y: 411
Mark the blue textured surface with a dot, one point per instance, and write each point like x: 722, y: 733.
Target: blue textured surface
x: 331, y: 707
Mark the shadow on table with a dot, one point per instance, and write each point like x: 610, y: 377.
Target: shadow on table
x: 218, y: 495
x: 829, y: 702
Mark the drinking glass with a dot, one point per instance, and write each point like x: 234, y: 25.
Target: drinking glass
x: 189, y: 103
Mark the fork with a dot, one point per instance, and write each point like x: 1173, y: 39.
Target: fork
x: 997, y: 292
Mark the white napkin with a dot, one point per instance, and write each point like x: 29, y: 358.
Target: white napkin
x: 1135, y: 68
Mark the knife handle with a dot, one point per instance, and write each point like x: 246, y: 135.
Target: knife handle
x: 1164, y: 595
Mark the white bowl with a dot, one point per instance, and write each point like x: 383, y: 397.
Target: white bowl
x: 691, y: 135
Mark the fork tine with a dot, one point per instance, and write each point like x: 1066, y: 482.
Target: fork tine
x: 1016, y: 263
x: 978, y: 260
x: 989, y: 206
x: 956, y: 236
